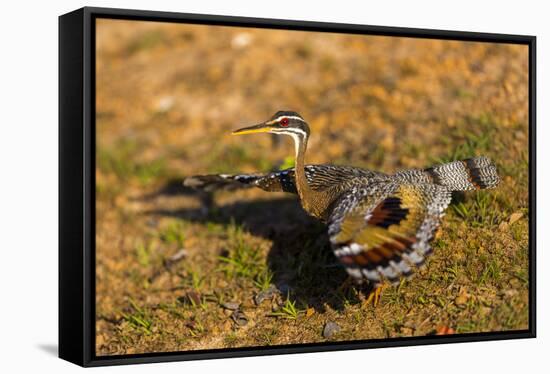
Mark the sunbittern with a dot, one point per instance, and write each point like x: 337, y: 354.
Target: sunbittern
x: 380, y: 225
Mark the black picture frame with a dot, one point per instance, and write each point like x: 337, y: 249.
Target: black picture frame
x: 77, y: 181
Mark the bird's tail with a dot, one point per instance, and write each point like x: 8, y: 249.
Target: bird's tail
x: 470, y: 174
x: 214, y: 182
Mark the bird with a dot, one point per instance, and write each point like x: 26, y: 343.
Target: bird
x: 380, y: 225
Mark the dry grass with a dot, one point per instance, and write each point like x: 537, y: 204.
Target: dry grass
x: 167, y: 97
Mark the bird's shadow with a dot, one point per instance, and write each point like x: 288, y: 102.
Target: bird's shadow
x: 303, y: 266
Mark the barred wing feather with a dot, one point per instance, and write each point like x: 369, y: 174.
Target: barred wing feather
x: 383, y: 230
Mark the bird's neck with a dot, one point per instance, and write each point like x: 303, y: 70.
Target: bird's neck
x: 308, y: 197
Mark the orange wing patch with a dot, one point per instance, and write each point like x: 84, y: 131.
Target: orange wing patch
x: 388, y: 212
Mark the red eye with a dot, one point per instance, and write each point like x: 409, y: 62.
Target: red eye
x: 284, y: 122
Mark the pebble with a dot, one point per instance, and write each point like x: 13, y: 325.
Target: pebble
x: 330, y: 329
x: 176, y: 257
x: 265, y: 295
x: 164, y: 104
x: 239, y: 318
x: 241, y: 40
x: 231, y: 305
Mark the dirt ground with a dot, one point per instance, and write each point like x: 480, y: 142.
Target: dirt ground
x: 179, y: 270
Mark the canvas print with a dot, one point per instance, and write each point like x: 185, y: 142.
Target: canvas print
x: 262, y: 187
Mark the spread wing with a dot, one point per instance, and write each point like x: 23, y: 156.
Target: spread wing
x: 382, y: 230
x: 319, y: 177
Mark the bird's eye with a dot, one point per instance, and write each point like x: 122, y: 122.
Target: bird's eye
x: 284, y: 122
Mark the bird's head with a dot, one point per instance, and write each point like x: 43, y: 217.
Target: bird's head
x: 282, y: 122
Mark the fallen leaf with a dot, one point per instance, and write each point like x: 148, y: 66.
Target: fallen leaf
x: 515, y: 217
x: 462, y: 297
x: 503, y: 226
x: 444, y: 330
